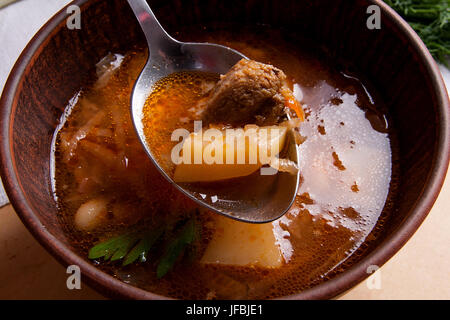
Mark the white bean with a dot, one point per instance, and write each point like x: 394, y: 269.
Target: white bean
x: 90, y: 214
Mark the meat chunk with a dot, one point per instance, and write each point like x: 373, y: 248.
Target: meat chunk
x: 251, y: 92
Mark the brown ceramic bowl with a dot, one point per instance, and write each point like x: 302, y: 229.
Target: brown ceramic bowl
x: 57, y: 61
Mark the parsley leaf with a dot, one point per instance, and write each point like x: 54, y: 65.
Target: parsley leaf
x: 175, y: 248
x: 131, y: 246
x: 134, y: 246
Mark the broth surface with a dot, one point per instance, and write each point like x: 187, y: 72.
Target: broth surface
x: 346, y: 169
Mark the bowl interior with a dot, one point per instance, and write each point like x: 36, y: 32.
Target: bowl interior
x: 59, y: 61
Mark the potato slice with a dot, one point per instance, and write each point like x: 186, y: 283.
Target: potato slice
x: 243, y: 244
x: 225, y: 154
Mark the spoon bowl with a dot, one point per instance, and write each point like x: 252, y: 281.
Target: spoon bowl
x: 256, y: 198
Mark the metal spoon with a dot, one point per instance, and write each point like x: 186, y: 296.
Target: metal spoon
x: 256, y: 198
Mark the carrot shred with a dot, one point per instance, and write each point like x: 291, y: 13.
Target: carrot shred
x: 292, y: 103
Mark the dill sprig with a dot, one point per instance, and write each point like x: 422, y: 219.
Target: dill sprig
x: 430, y: 19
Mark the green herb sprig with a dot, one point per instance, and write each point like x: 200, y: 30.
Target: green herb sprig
x: 175, y: 248
x: 130, y: 247
x: 431, y: 20
x: 135, y: 246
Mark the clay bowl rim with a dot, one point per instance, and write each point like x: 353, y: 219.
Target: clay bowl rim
x: 112, y: 287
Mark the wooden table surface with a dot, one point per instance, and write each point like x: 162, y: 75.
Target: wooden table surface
x: 420, y: 270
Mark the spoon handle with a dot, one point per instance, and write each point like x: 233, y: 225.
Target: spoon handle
x: 156, y: 36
